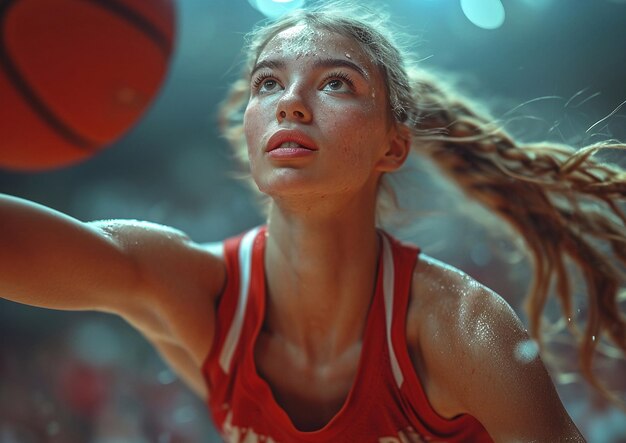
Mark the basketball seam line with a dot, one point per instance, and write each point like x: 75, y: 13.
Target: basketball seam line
x: 38, y: 105
x: 29, y: 95
x: 140, y: 22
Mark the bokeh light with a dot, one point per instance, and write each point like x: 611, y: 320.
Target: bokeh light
x: 486, y: 14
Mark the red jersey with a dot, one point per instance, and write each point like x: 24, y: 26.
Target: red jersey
x: 386, y: 403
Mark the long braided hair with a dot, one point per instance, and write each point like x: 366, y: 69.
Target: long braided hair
x: 563, y: 202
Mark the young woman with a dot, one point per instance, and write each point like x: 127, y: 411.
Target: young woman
x: 319, y: 326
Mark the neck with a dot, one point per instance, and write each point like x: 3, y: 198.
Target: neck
x: 321, y: 269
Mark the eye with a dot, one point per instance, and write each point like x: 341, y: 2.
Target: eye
x: 264, y: 82
x: 338, y: 82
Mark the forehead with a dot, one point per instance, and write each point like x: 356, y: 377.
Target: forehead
x: 306, y: 41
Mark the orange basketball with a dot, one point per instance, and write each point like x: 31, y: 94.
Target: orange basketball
x: 77, y: 74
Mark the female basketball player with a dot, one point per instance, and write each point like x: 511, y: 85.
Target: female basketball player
x: 319, y: 326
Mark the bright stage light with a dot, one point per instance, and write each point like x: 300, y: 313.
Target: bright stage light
x: 275, y: 8
x: 486, y: 14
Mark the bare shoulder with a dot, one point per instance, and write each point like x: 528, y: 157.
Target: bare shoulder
x: 451, y: 316
x: 180, y: 279
x: 129, y: 233
x: 448, y: 301
x: 478, y: 358
x: 162, y: 253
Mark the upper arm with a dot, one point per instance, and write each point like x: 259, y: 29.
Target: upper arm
x: 497, y: 375
x: 509, y: 390
x: 51, y: 260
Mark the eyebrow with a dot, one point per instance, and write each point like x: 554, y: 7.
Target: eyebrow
x: 317, y: 64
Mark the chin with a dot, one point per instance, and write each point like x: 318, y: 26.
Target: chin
x: 288, y: 183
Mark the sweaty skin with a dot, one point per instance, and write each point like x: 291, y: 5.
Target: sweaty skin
x: 321, y: 255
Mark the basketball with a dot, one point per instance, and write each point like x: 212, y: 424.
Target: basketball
x: 75, y: 75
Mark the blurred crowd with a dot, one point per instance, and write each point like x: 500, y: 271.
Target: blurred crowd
x: 94, y: 380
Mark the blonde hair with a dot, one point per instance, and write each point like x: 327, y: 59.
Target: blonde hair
x: 562, y: 201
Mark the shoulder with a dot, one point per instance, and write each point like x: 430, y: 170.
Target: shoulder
x: 450, y: 302
x: 129, y: 233
x: 181, y: 280
x: 177, y: 274
x: 454, y: 318
x: 479, y: 358
x: 151, y: 243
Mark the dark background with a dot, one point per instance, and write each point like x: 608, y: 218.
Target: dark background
x: 74, y: 377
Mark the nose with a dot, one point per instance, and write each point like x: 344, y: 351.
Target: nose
x: 292, y: 106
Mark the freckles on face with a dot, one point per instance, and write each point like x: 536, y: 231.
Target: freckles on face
x: 326, y: 87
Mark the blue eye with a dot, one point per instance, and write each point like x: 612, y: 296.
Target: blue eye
x: 264, y: 82
x: 337, y: 80
x: 268, y: 84
x: 335, y: 84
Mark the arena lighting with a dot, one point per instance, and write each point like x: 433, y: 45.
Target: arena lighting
x: 486, y: 14
x: 275, y: 8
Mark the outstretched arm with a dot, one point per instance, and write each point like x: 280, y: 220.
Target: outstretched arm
x: 51, y: 260
x: 151, y: 275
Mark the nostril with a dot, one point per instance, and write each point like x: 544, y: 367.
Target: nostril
x: 283, y: 114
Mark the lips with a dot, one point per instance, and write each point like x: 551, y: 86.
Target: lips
x: 290, y: 139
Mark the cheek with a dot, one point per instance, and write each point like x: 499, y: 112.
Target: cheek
x: 252, y: 125
x: 361, y: 134
x: 248, y: 121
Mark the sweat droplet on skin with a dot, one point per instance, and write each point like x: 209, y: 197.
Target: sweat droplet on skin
x: 348, y: 55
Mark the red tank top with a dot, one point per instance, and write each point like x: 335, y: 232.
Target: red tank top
x: 386, y: 403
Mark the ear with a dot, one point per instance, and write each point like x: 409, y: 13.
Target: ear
x: 397, y: 149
